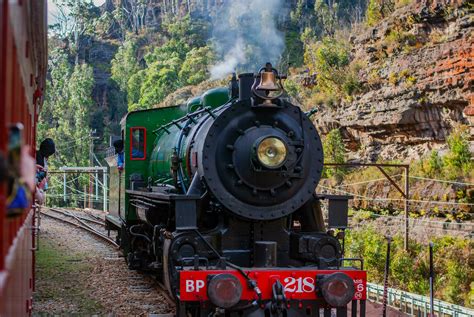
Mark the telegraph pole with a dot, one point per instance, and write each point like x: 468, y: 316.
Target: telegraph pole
x: 91, y: 163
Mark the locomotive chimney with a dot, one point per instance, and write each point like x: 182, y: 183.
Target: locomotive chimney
x: 245, y: 86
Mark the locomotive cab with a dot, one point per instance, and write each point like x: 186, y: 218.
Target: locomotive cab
x: 218, y: 198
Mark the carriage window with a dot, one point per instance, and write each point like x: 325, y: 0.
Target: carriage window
x: 138, y: 144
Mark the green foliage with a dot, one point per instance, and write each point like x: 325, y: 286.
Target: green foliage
x: 193, y: 31
x: 161, y: 78
x: 399, y: 38
x: 459, y: 156
x: 334, y: 152
x: 183, y: 59
x: 433, y: 164
x: 133, y: 90
x: 125, y: 64
x: 292, y: 88
x: 65, y: 114
x: 410, y: 270
x: 195, y: 67
x: 336, y: 75
x: 334, y: 149
x: 455, y: 164
x: 74, y: 17
x: 377, y: 10
x: 293, y: 48
x: 296, y: 14
x: 329, y: 54
x: 326, y: 16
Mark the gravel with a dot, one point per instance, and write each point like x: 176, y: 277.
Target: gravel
x: 107, y: 280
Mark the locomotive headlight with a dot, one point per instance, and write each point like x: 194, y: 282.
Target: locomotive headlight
x: 271, y: 152
x: 337, y: 289
x: 224, y: 290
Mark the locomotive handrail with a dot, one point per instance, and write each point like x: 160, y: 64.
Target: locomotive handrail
x: 341, y: 261
x: 189, y: 116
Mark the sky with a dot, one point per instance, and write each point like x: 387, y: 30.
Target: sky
x: 52, y: 9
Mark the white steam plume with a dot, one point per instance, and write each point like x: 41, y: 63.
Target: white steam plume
x: 245, y: 35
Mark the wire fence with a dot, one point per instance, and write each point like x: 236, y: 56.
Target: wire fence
x: 81, y: 189
x: 414, y: 304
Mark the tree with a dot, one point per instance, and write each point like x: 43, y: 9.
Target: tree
x: 326, y: 15
x: 334, y: 151
x: 161, y: 78
x: 195, y: 67
x: 378, y: 9
x: 329, y: 61
x: 193, y: 31
x: 459, y: 155
x: 134, y: 90
x: 125, y: 64
x: 65, y: 114
x: 181, y: 60
x: 74, y: 19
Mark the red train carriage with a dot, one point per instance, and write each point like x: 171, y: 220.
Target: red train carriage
x: 23, y: 64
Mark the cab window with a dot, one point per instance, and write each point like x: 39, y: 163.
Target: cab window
x: 138, y: 144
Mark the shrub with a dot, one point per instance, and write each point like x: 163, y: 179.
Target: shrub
x: 433, y: 165
x: 459, y: 155
x: 334, y: 152
x: 377, y: 10
x: 291, y: 88
x: 410, y: 270
x: 410, y: 80
x: 393, y: 78
x: 329, y: 60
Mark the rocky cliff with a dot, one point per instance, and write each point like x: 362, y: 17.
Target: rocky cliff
x: 418, y: 82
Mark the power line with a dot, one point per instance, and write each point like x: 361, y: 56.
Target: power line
x: 396, y: 199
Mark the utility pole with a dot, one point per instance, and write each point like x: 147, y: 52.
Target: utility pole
x: 91, y: 163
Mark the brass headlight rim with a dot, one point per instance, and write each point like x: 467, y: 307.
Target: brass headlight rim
x: 259, y: 143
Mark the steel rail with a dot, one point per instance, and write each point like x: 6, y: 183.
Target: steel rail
x: 67, y: 213
x: 167, y: 296
x: 83, y: 226
x: 94, y: 216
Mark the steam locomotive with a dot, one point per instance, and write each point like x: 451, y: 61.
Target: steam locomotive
x: 217, y: 197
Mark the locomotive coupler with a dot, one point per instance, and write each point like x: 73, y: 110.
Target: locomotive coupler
x: 278, y: 299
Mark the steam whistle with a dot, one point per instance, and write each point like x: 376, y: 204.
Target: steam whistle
x: 268, y: 84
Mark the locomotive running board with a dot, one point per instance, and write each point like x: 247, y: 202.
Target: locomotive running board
x: 185, y: 206
x: 112, y: 222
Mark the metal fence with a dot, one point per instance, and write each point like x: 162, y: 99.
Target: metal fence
x: 416, y: 305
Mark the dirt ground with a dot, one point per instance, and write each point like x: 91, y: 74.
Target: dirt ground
x: 79, y: 275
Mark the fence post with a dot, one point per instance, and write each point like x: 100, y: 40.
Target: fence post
x: 96, y: 186
x: 431, y: 281
x: 385, y: 284
x: 405, y: 206
x: 105, y: 188
x: 64, y: 188
x: 85, y: 196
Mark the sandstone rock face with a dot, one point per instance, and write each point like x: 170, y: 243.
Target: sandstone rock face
x: 415, y: 91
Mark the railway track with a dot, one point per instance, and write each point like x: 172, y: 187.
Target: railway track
x: 80, y: 222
